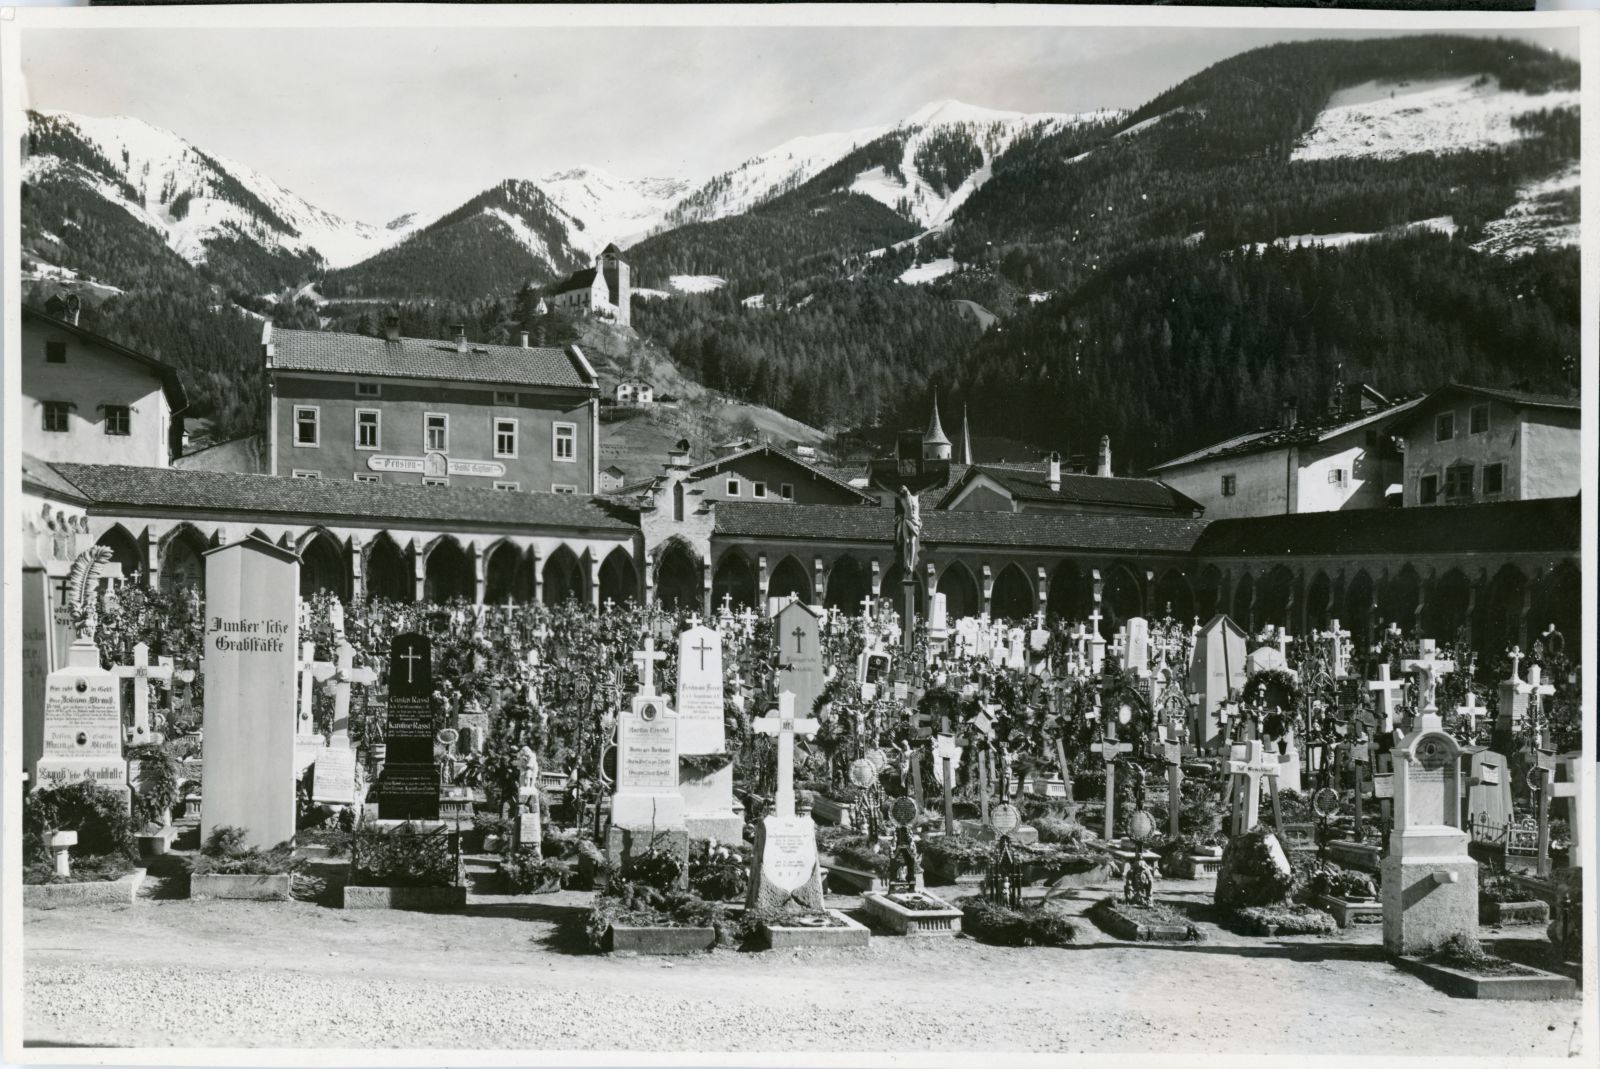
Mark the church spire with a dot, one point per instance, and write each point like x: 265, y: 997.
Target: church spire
x: 935, y: 446
x: 966, y: 436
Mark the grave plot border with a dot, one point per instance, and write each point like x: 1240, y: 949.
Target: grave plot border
x: 784, y: 937
x: 1528, y: 911
x: 1348, y: 911
x: 354, y: 896
x: 266, y: 888
x: 1545, y: 986
x: 924, y: 924
x: 119, y: 892
x: 1108, y: 916
x: 630, y: 939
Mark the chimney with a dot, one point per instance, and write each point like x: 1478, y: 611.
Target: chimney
x: 74, y: 306
x: 460, y: 331
x: 678, y: 456
x: 391, y: 327
x: 524, y: 339
x: 1289, y: 415
x: 1055, y: 471
x: 1104, y: 470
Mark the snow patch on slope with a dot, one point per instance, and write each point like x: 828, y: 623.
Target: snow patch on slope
x: 929, y: 271
x: 537, y: 247
x: 612, y: 210
x: 1539, y: 219
x: 696, y: 283
x: 1442, y: 224
x: 1387, y: 120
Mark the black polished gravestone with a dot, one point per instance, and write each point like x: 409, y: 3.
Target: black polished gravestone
x: 408, y: 788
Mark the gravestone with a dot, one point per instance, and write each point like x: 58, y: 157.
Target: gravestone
x: 647, y: 808
x: 82, y: 724
x: 1217, y: 672
x: 710, y: 811
x: 38, y: 656
x: 1136, y: 653
x: 252, y: 635
x: 408, y: 786
x: 938, y: 619
x: 1488, y: 794
x: 333, y: 782
x: 795, y: 631
x: 1429, y: 884
x: 783, y: 867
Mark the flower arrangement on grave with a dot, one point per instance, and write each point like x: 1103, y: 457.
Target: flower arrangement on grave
x: 1027, y: 926
x: 403, y: 857
x: 105, y: 848
x: 1331, y: 880
x: 155, y: 788
x: 1275, y: 695
x: 1255, y: 871
x: 224, y: 854
x: 718, y: 871
x: 526, y: 871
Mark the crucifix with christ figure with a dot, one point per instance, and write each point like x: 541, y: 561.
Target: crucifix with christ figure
x: 782, y: 724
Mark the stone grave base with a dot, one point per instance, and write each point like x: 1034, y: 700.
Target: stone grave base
x: 156, y: 843
x: 1126, y: 924
x: 1199, y: 867
x: 633, y: 939
x: 624, y: 844
x: 899, y: 920
x: 827, y: 811
x: 852, y: 934
x: 249, y: 888
x: 1538, y: 887
x: 119, y: 892
x: 1348, y: 911
x: 1426, y: 899
x: 846, y: 880
x: 1022, y: 834
x: 419, y: 898
x: 1533, y: 912
x: 710, y: 809
x: 1537, y: 987
x: 724, y: 829
x: 1352, y: 855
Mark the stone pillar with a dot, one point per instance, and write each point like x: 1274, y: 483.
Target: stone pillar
x: 647, y: 573
x: 877, y: 578
x: 538, y: 575
x: 1521, y: 638
x: 152, y: 573
x: 933, y: 583
x: 1148, y: 601
x: 358, y: 581
x: 479, y: 578
x: 594, y: 579
x: 419, y: 568
x: 819, y: 582
x: 988, y: 590
x: 761, y: 582
x: 706, y: 577
x: 1044, y: 589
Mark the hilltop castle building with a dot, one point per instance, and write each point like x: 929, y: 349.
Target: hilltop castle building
x: 605, y: 289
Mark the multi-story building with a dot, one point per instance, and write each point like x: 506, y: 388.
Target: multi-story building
x: 412, y: 410
x: 89, y: 400
x: 1470, y: 443
x: 635, y: 393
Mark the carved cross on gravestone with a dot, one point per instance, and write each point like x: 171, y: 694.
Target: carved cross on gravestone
x: 142, y: 672
x: 782, y: 724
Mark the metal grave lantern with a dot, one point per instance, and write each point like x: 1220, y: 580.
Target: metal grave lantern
x: 1002, y: 883
x: 868, y: 806
x: 1139, y: 884
x: 1325, y: 804
x: 904, y: 864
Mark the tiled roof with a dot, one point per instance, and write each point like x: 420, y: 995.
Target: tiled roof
x: 40, y: 476
x: 423, y: 358
x: 117, y: 486
x: 171, y: 383
x: 715, y: 465
x: 1516, y: 398
x: 1052, y: 530
x: 578, y: 280
x: 1028, y: 484
x: 1302, y: 433
x: 1545, y: 525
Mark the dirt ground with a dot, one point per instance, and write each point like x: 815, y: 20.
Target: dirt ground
x: 512, y: 973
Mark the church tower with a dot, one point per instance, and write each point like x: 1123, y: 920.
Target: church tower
x: 618, y: 283
x: 935, y: 446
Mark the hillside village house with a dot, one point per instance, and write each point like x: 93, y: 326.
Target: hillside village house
x: 635, y: 393
x: 412, y: 410
x: 1341, y: 460
x: 996, y: 488
x: 754, y: 473
x: 604, y: 289
x: 86, y: 398
x: 1468, y: 443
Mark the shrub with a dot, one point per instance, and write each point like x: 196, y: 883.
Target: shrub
x: 526, y: 872
x: 1255, y: 871
x: 98, y: 814
x: 403, y: 857
x: 1329, y: 879
x: 656, y: 867
x: 92, y: 869
x: 1059, y: 828
x: 1288, y: 919
x: 1500, y: 888
x: 156, y: 787
x: 858, y: 853
x: 957, y: 853
x: 1463, y: 951
x: 718, y: 872
x: 224, y: 854
x: 1030, y: 926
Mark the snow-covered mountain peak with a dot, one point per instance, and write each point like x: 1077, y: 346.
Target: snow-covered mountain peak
x: 954, y: 111
x: 611, y: 209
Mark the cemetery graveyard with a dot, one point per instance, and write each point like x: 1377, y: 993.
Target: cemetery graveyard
x: 797, y: 799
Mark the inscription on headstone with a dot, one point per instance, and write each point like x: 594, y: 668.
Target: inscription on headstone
x: 408, y: 788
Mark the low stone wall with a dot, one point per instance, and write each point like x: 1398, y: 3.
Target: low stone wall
x: 274, y: 888
x: 119, y: 892
x: 423, y: 898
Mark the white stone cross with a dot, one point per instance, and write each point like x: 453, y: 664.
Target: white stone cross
x: 142, y: 672
x: 1471, y: 711
x: 313, y: 671
x: 782, y: 724
x: 1577, y: 818
x: 1387, y: 690
x: 345, y: 674
x: 1284, y: 638
x: 1255, y: 764
x: 727, y: 604
x: 646, y: 660
x: 1516, y: 664
x: 1538, y: 690
x: 694, y: 619
x: 1427, y: 668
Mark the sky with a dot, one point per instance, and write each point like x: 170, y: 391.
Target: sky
x: 372, y: 123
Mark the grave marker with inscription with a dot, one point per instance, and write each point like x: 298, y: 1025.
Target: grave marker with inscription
x: 1429, y: 884
x: 709, y: 807
x: 796, y: 632
x: 408, y: 787
x: 783, y: 867
x: 647, y: 808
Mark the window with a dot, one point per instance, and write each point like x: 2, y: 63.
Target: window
x: 786, y: 491
x: 55, y: 352
x: 1444, y: 426
x: 430, y: 481
x: 307, y: 426
x: 564, y: 441
x: 1230, y: 483
x: 368, y: 426
x: 58, y: 415
x: 306, y: 473
x: 117, y: 419
x: 1338, y: 477
x: 1427, y: 489
x: 501, y: 397
x: 733, y: 487
x: 505, y: 486
x: 758, y: 489
x: 563, y: 488
x: 1478, y: 419
x: 369, y: 389
x: 368, y: 477
x: 1494, y: 479
x: 436, y: 432
x: 505, y: 437
x: 1458, y: 482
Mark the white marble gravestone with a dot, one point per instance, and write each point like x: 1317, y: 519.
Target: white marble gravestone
x: 647, y: 807
x: 1429, y: 884
x: 710, y: 810
x: 251, y: 640
x: 1136, y: 654
x: 1217, y: 672
x: 783, y: 867
x: 797, y: 635
x: 82, y: 736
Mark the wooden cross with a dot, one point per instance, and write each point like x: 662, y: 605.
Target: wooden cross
x: 782, y: 724
x: 143, y: 673
x: 1110, y: 750
x: 1387, y: 690
x: 313, y: 671
x: 345, y: 674
x: 946, y: 751
x: 646, y: 660
x: 1538, y: 690
x: 1428, y: 669
x: 1247, y: 770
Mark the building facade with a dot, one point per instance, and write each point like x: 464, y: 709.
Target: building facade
x: 419, y: 411
x: 86, y: 398
x: 1467, y: 444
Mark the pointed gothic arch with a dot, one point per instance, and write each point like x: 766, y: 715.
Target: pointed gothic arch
x: 183, y: 560
x: 1319, y: 597
x: 1504, y: 622
x: 323, y: 566
x: 387, y: 570
x: 124, y: 552
x: 563, y: 577
x: 1120, y: 598
x: 1208, y: 593
x: 1274, y: 597
x: 1173, y: 596
x: 1012, y: 597
x: 790, y: 577
x: 447, y: 571
x: 1244, y: 603
x: 619, y: 579
x: 507, y: 574
x: 735, y: 579
x: 893, y: 589
x: 1398, y: 598
x: 679, y: 575
x: 1360, y: 608
x: 960, y: 589
x: 849, y: 582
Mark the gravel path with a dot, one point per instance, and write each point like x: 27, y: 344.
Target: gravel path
x: 505, y: 974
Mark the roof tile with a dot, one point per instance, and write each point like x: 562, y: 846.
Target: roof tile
x: 421, y: 358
